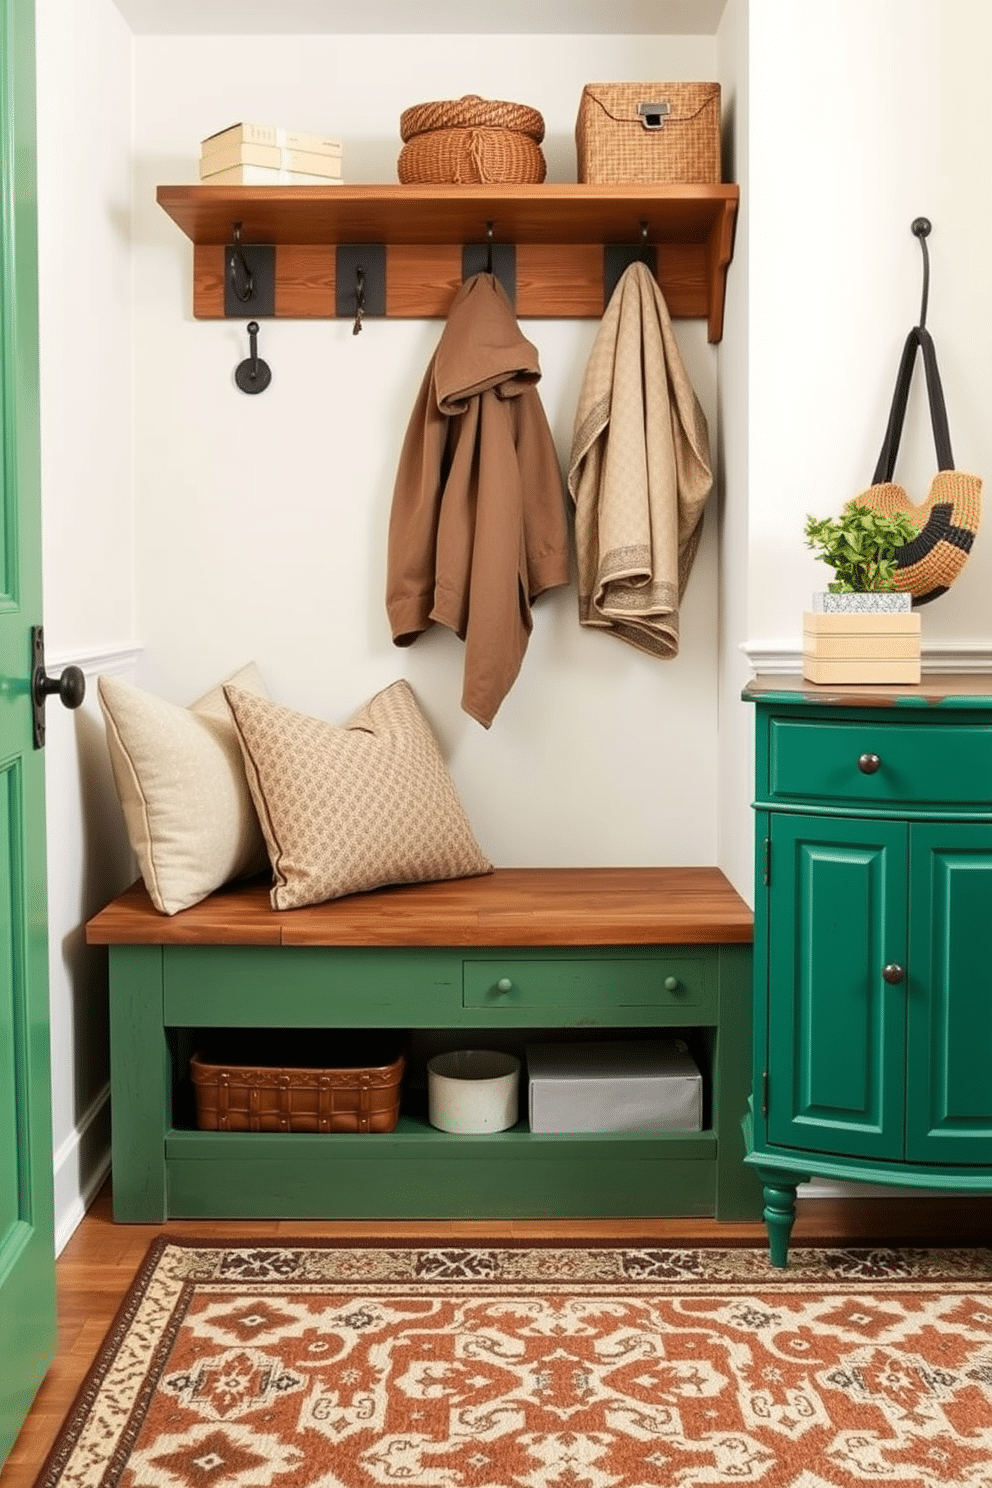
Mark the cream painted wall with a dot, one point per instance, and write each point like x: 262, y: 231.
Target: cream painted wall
x: 862, y: 117
x: 261, y: 522
x: 85, y: 255
x: 735, y: 721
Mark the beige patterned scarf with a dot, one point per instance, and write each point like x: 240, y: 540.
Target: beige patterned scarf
x: 639, y: 472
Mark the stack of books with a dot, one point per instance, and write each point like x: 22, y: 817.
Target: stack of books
x: 264, y: 155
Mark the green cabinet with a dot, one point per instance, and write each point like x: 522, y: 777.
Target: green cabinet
x: 873, y: 939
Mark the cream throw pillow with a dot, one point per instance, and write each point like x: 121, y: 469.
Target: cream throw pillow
x: 181, y: 782
x: 353, y: 806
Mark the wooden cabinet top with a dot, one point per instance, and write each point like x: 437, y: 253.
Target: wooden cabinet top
x: 948, y: 690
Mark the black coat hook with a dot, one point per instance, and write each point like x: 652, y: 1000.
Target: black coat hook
x: 253, y: 375
x: 359, y: 299
x: 244, y: 287
x: 489, y: 247
x: 921, y: 227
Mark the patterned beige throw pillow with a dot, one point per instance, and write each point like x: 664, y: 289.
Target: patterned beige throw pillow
x: 351, y: 807
x: 181, y: 782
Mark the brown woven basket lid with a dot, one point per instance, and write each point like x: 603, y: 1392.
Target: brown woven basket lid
x: 471, y: 112
x: 471, y: 156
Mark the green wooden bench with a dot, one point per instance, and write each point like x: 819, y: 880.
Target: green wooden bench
x: 611, y: 949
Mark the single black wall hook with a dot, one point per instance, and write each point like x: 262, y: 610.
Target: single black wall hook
x: 489, y: 247
x: 253, y: 375
x: 359, y: 299
x: 244, y: 289
x: 921, y: 227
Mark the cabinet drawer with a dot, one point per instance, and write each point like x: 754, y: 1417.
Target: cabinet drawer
x: 590, y: 984
x: 922, y: 764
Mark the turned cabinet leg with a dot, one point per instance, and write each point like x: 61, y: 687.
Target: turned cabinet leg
x: 779, y: 1213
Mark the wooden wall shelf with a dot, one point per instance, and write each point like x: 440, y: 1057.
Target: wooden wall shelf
x: 559, y: 232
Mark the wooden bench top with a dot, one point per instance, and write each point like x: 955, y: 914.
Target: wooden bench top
x: 512, y: 906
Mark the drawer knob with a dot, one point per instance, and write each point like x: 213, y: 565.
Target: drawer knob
x: 671, y: 984
x: 893, y: 973
x: 504, y: 985
x: 868, y: 764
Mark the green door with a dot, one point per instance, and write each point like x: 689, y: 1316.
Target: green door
x: 836, y: 1028
x: 949, y: 1108
x: 27, y: 1264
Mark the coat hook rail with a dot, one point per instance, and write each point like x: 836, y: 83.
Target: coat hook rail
x: 921, y: 226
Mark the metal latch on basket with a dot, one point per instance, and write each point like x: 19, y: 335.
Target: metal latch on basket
x: 653, y: 115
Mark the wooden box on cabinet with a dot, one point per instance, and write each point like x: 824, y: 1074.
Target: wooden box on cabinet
x: 873, y: 938
x: 860, y: 647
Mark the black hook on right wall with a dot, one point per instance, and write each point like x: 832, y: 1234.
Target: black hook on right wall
x: 921, y: 227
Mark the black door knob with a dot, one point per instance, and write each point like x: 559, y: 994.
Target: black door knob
x: 868, y: 763
x: 893, y: 973
x: 70, y: 686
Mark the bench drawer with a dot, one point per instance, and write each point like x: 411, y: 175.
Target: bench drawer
x: 940, y: 765
x: 588, y: 984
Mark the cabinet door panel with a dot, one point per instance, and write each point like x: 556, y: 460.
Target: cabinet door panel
x: 837, y: 916
x: 949, y: 1115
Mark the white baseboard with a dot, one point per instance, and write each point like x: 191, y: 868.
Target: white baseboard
x: 81, y: 1165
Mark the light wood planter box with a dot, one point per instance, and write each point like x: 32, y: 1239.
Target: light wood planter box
x: 861, y: 647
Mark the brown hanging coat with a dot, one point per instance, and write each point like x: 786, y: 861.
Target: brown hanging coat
x: 478, y: 526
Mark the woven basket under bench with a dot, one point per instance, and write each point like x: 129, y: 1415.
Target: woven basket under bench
x: 266, y: 1086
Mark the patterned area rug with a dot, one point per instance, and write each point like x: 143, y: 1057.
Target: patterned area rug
x: 322, y: 1366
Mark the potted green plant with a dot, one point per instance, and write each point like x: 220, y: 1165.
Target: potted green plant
x: 861, y: 628
x: 860, y: 546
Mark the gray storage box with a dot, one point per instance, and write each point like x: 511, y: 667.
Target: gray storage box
x: 648, y: 1085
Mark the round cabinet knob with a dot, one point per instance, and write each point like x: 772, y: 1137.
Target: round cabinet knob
x: 671, y: 984
x: 868, y: 764
x: 893, y: 973
x: 504, y: 985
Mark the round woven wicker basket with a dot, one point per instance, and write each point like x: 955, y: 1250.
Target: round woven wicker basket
x: 469, y: 156
x: 471, y: 112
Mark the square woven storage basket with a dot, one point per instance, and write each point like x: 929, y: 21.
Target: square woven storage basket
x: 649, y: 133
x: 268, y: 1088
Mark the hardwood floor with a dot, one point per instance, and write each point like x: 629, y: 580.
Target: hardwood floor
x: 99, y: 1261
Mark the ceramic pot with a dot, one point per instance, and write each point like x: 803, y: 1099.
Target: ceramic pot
x: 473, y: 1090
